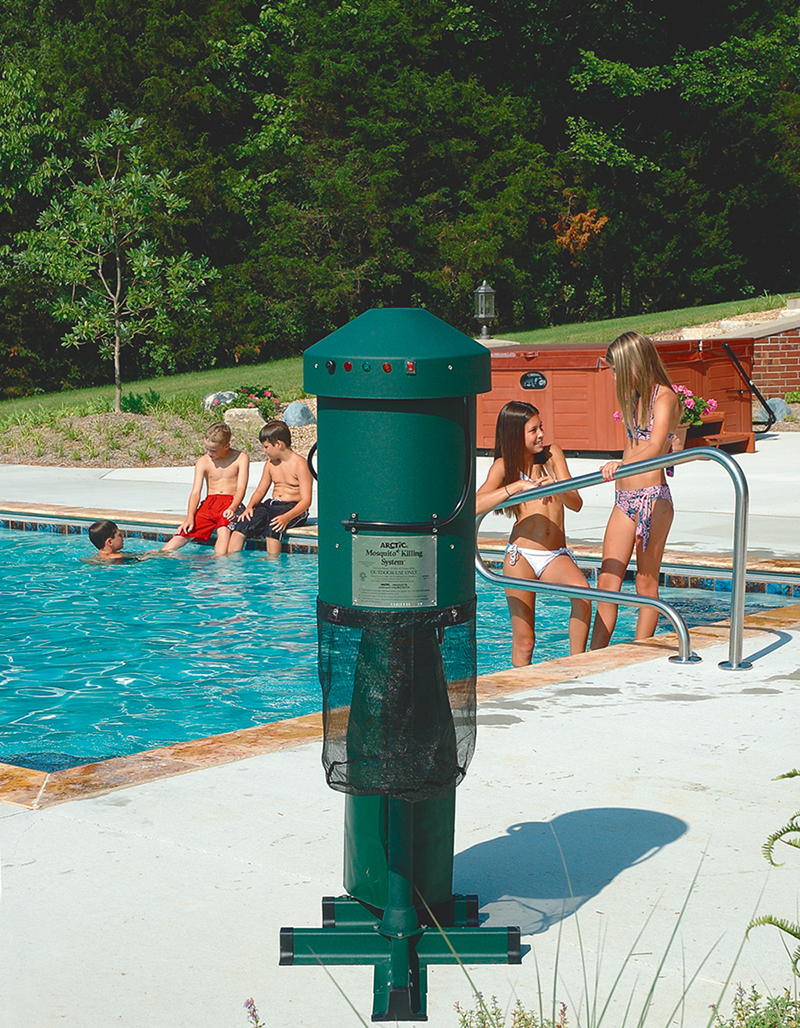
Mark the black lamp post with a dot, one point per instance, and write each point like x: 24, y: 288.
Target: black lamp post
x: 484, y: 308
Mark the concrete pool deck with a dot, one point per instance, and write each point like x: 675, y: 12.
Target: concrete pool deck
x: 161, y: 902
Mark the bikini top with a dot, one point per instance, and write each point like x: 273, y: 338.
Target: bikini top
x: 637, y: 431
x: 527, y: 478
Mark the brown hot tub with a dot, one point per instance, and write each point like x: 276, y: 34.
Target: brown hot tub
x: 574, y: 392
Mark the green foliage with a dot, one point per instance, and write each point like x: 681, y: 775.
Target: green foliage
x: 793, y: 396
x: 189, y: 389
x: 789, y: 834
x: 489, y: 1015
x: 29, y: 138
x: 93, y: 242
x: 389, y: 175
x: 338, y: 156
x: 693, y: 407
x: 264, y: 399
x: 750, y: 1011
x: 136, y: 403
x: 592, y: 144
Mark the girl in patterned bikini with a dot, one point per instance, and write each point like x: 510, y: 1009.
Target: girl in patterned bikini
x: 537, y: 547
x: 643, y: 510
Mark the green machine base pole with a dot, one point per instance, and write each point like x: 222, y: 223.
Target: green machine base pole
x: 394, y: 942
x: 355, y: 937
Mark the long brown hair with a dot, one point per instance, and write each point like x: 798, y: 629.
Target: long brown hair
x: 638, y: 368
x: 509, y: 443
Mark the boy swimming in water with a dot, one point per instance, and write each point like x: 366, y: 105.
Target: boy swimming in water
x: 288, y: 474
x: 108, y: 539
x: 224, y: 472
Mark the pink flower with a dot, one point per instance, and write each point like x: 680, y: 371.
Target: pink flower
x: 711, y: 406
x: 617, y: 415
x: 689, y: 401
x: 216, y: 402
x: 251, y: 405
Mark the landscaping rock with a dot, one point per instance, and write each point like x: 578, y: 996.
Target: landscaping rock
x: 780, y: 408
x: 213, y: 400
x: 247, y: 421
x: 297, y: 415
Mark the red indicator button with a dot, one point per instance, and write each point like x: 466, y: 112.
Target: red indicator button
x: 387, y: 367
x: 348, y: 365
x: 411, y: 367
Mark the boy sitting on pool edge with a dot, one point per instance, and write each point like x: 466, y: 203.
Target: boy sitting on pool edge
x: 287, y: 472
x: 224, y: 472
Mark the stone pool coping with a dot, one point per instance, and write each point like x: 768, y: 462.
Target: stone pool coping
x: 33, y: 789
x: 24, y: 787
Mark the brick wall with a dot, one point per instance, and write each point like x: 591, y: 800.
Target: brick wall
x: 776, y: 364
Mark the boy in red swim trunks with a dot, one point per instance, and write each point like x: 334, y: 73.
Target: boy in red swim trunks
x: 224, y: 472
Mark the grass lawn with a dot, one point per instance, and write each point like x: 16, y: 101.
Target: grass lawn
x: 647, y: 324
x: 285, y: 377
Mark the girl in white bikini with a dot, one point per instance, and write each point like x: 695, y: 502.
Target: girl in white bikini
x: 537, y: 547
x: 643, y: 511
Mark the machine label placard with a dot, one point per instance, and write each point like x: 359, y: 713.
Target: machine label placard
x: 394, y: 571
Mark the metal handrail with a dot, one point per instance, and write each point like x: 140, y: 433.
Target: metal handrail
x: 741, y: 496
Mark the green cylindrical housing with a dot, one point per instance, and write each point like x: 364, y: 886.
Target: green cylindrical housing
x: 396, y: 428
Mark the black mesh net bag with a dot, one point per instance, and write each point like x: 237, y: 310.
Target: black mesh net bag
x: 398, y: 693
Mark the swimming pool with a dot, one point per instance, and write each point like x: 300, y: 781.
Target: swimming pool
x: 106, y: 660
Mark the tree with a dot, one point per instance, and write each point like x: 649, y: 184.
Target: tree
x: 379, y: 172
x: 96, y: 242
x: 28, y: 139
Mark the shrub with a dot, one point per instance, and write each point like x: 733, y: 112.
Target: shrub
x: 793, y: 396
x: 135, y: 403
x: 748, y: 1012
x: 265, y: 400
x: 489, y: 1015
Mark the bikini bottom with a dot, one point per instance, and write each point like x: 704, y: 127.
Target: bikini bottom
x: 637, y: 504
x: 538, y: 559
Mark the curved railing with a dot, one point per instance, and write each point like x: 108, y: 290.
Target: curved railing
x: 741, y: 497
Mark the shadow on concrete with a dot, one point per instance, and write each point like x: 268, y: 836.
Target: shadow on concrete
x: 520, y: 876
x: 781, y: 639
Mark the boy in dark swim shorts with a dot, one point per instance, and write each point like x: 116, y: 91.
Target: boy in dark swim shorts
x: 288, y: 474
x: 224, y: 472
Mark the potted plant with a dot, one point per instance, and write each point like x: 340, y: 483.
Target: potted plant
x: 698, y: 416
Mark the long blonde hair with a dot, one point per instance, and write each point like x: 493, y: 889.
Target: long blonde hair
x: 638, y: 369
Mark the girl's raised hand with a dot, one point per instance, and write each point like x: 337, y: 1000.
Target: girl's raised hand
x: 538, y: 483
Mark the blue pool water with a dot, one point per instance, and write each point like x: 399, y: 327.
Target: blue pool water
x: 106, y: 660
